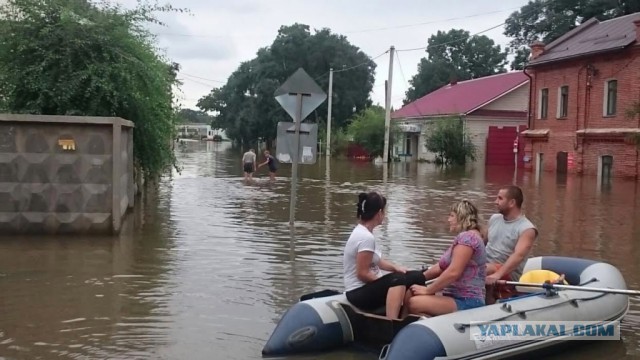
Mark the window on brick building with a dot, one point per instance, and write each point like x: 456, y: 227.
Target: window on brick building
x: 610, y: 97
x: 563, y: 102
x: 543, y: 108
x: 606, y: 165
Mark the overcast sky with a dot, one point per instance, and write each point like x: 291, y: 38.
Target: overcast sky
x: 218, y: 35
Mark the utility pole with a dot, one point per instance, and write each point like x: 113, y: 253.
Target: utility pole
x: 387, y: 115
x: 328, y: 146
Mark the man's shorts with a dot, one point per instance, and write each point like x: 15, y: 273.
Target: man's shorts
x: 248, y: 167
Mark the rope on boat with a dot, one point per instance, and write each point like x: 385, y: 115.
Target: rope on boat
x: 523, y: 313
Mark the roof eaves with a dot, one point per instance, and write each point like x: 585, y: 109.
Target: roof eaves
x: 575, y: 56
x: 418, y: 117
x: 524, y: 82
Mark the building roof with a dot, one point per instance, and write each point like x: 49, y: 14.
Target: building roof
x: 591, y: 37
x: 463, y: 97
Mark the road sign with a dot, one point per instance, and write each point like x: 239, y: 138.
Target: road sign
x: 286, y: 139
x: 300, y: 83
x: 298, y: 96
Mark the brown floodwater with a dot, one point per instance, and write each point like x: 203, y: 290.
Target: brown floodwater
x: 207, y: 264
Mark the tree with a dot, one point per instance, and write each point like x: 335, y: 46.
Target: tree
x: 521, y: 58
x: 546, y: 20
x: 245, y: 104
x: 632, y: 113
x: 455, y: 55
x: 194, y: 116
x: 447, y: 139
x: 368, y: 130
x: 63, y: 57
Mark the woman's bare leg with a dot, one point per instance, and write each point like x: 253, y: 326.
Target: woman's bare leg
x: 432, y: 305
x: 394, y: 301
x: 405, y: 304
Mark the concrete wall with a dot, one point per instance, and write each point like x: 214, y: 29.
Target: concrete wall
x: 64, y: 174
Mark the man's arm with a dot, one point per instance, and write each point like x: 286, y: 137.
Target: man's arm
x: 522, y: 249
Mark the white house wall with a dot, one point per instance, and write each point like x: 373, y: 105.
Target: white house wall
x: 516, y: 100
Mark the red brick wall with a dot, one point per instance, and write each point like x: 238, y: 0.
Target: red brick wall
x: 625, y: 157
x: 585, y: 110
x: 584, y: 160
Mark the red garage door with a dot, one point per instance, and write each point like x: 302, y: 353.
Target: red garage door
x: 500, y: 142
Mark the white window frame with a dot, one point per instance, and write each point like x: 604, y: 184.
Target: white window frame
x: 559, y: 107
x: 540, y: 104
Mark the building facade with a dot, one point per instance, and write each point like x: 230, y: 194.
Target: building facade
x: 583, y: 86
x: 492, y: 108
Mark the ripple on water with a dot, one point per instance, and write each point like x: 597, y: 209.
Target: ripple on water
x: 213, y: 263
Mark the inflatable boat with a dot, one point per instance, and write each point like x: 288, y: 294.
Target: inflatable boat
x: 325, y: 320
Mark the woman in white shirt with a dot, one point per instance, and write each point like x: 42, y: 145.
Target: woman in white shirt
x: 366, y: 288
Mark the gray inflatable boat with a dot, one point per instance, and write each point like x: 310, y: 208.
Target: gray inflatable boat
x: 325, y: 320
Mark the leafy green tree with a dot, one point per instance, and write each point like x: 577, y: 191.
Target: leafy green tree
x: 447, y: 139
x: 245, y: 105
x: 546, y: 20
x: 194, y: 116
x: 521, y: 58
x: 74, y: 57
x: 455, y: 55
x: 632, y: 112
x: 367, y: 130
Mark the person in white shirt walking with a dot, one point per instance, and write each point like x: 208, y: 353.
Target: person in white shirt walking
x: 249, y: 164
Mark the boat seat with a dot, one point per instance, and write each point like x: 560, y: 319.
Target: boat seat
x: 381, y: 311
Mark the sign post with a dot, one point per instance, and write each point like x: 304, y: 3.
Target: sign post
x: 298, y: 96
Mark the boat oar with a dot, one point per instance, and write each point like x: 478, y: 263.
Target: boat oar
x: 569, y: 287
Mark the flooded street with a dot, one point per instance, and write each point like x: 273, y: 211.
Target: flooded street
x: 207, y: 264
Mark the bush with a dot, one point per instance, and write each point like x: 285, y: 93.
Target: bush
x: 446, y: 138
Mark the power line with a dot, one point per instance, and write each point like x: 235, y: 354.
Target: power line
x: 429, y: 22
x: 365, y: 30
x: 352, y: 67
x: 407, y: 84
x: 201, y: 78
x: 361, y: 64
x: 453, y: 41
x: 197, y: 82
x: 383, y: 53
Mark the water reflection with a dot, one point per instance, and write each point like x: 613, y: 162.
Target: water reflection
x: 216, y: 262
x: 90, y: 297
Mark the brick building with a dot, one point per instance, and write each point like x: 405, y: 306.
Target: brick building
x: 582, y: 86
